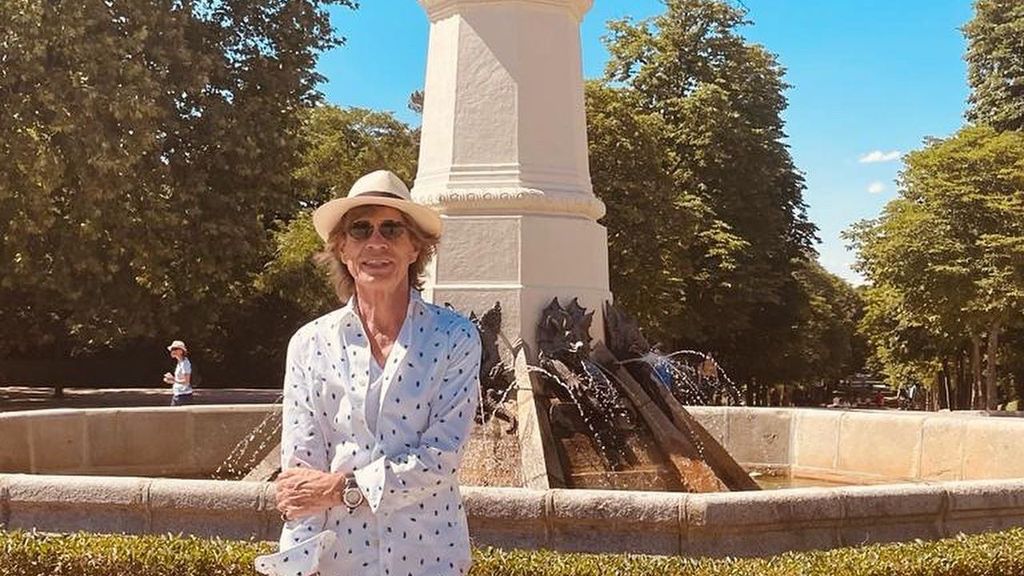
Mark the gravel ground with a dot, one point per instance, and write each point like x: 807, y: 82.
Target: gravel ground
x: 33, y: 398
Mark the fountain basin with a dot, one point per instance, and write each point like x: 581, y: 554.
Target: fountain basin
x: 965, y: 471
x: 152, y: 441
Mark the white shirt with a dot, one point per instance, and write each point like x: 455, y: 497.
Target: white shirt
x: 180, y: 387
x: 373, y: 396
x: 413, y: 521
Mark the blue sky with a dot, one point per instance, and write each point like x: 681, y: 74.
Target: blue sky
x: 870, y: 80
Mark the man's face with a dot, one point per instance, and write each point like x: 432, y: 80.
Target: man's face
x: 377, y: 262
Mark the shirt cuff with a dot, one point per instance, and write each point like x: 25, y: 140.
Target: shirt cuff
x: 371, y: 481
x: 303, y: 559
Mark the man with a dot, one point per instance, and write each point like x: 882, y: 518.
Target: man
x: 379, y: 399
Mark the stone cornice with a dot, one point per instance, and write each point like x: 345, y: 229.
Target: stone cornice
x: 510, y: 200
x: 437, y: 9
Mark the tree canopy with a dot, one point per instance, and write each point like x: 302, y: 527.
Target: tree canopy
x: 148, y: 147
x: 946, y: 259
x: 707, y: 225
x: 995, y: 64
x: 160, y: 160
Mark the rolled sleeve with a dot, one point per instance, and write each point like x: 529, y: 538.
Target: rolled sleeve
x: 302, y: 437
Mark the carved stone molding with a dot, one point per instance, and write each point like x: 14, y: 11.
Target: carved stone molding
x: 438, y: 9
x: 510, y: 200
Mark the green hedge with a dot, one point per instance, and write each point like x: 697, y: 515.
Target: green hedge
x: 30, y: 554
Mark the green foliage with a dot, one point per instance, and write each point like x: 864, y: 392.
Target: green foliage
x: 826, y: 344
x: 708, y: 236
x: 340, y: 145
x: 30, y: 554
x: 159, y: 160
x: 146, y: 148
x: 946, y: 259
x: 33, y: 554
x: 650, y: 222
x: 995, y: 64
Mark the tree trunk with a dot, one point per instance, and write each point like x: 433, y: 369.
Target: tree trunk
x: 976, y: 390
x: 755, y: 393
x: 945, y: 400
x: 963, y: 385
x: 992, y: 355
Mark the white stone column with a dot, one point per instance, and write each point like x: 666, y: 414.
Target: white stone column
x: 503, y: 157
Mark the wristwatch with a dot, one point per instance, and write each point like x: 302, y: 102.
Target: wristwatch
x: 351, y: 495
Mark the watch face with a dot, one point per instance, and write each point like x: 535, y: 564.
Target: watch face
x: 352, y: 497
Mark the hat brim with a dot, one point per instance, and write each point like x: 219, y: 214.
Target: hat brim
x: 327, y: 216
x: 169, y: 348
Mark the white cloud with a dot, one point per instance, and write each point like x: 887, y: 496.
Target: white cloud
x: 876, y: 188
x: 879, y: 156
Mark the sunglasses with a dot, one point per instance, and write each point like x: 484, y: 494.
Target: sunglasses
x: 363, y: 229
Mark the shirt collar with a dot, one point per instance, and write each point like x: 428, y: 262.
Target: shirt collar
x: 349, y: 309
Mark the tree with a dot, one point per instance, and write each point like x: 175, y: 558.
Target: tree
x: 911, y: 307
x: 950, y: 250
x: 339, y: 145
x: 995, y: 64
x: 146, y: 149
x: 827, y: 345
x: 650, y: 221
x: 342, y: 144
x: 740, y: 230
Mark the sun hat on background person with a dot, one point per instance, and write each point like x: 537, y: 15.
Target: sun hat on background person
x: 178, y: 344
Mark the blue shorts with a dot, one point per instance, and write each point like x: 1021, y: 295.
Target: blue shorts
x: 181, y: 400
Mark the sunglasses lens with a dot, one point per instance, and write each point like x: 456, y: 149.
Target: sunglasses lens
x: 360, y: 230
x: 390, y: 229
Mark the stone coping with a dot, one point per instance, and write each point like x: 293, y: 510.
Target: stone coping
x: 870, y: 446
x: 719, y: 524
x: 860, y: 446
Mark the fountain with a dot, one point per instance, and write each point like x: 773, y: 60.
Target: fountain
x: 504, y: 160
x: 935, y: 475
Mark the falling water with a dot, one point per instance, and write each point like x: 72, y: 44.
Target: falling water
x: 251, y: 449
x: 693, y: 377
x: 598, y: 403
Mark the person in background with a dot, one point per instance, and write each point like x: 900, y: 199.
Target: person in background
x: 379, y: 399
x: 181, y: 379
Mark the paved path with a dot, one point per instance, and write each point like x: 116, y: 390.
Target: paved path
x: 31, y: 398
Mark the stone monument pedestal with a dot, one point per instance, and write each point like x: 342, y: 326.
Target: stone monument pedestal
x: 521, y: 261
x: 503, y: 158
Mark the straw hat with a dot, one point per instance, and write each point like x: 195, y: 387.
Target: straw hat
x: 177, y: 344
x: 380, y: 188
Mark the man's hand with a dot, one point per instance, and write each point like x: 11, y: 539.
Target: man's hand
x: 303, y: 491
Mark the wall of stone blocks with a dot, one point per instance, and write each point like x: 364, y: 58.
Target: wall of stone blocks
x: 178, y: 442
x: 964, y: 470
x: 870, y: 446
x: 717, y: 525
